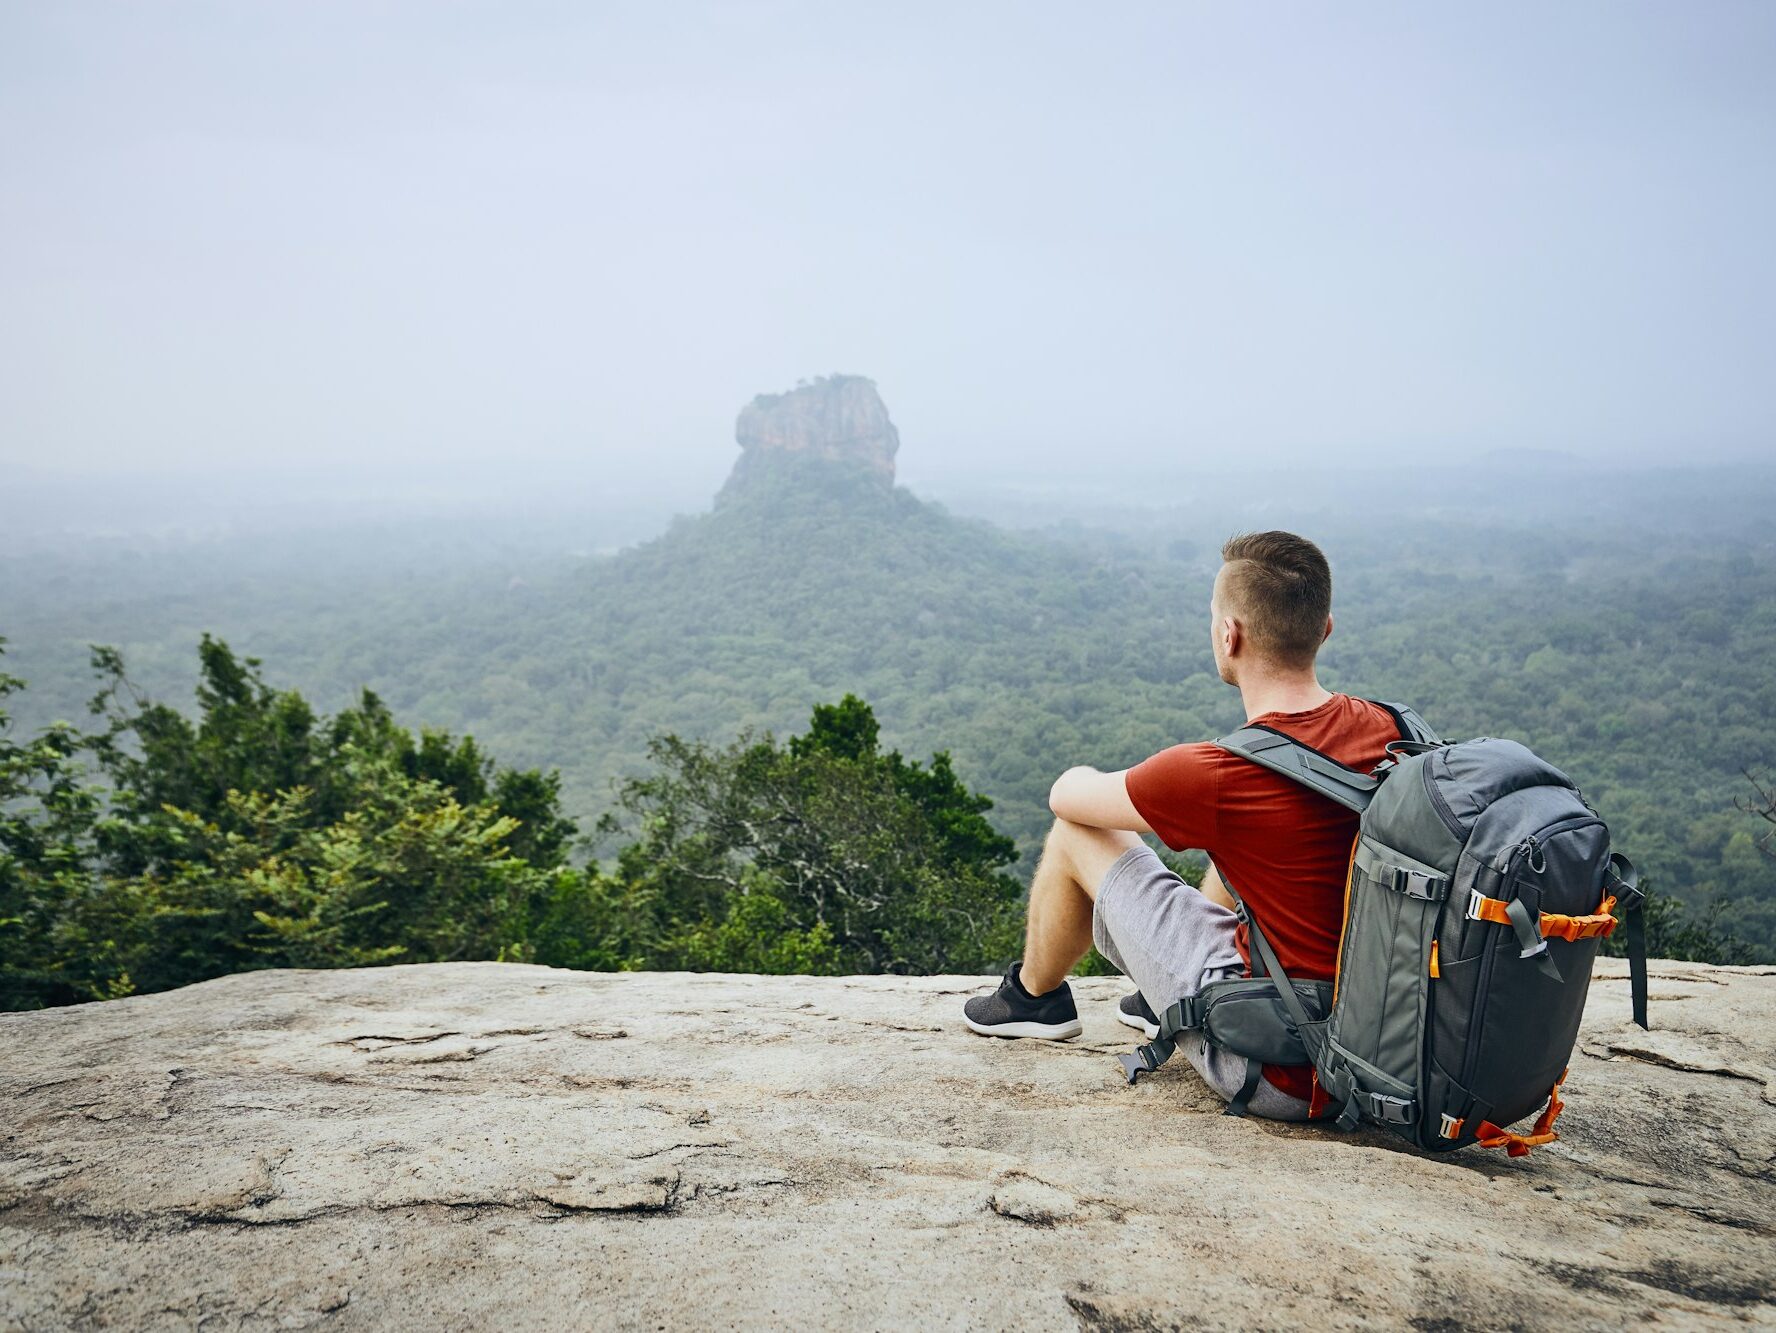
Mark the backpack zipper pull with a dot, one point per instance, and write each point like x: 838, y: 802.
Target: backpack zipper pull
x: 1532, y: 851
x: 1526, y: 920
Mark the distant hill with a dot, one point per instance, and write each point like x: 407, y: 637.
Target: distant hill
x: 814, y: 575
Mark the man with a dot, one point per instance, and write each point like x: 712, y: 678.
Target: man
x: 1285, y: 848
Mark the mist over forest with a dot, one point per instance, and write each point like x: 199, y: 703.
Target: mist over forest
x: 1620, y: 621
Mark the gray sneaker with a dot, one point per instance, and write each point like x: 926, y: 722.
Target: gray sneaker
x: 1011, y: 1011
x: 1134, y: 1011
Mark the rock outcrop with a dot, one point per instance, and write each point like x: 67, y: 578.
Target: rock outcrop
x: 834, y: 418
x: 487, y: 1145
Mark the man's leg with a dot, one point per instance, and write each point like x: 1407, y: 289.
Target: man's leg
x: 1214, y: 890
x: 1033, y: 999
x: 1171, y: 942
x: 1074, y: 861
x: 1167, y: 939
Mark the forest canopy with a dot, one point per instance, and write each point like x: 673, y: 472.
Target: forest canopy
x: 154, y: 850
x: 1634, y: 658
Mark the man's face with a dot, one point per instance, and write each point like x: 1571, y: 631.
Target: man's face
x: 1224, y: 665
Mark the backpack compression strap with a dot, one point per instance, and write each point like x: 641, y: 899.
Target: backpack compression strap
x: 1271, y: 749
x: 1623, y: 881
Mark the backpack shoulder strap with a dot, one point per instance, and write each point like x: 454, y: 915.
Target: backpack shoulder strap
x: 1412, y: 726
x: 1270, y: 748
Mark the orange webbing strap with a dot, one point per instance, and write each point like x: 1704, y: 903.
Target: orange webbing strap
x: 1350, y: 870
x: 1318, y: 1100
x: 1554, y: 926
x: 1518, y: 1145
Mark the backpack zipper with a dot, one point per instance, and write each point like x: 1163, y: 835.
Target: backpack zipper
x: 1483, y: 991
x: 1566, y: 825
x: 1476, y: 1020
x: 1441, y: 806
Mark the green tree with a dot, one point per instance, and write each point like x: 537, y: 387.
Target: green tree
x: 250, y: 737
x: 260, y: 834
x: 1762, y: 806
x: 47, y: 815
x: 869, y: 862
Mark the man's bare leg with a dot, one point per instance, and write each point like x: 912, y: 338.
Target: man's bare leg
x: 1074, y: 861
x: 1214, y: 890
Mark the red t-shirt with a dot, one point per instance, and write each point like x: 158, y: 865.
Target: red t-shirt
x: 1284, y: 848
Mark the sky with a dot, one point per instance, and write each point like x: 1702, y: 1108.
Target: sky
x: 371, y: 244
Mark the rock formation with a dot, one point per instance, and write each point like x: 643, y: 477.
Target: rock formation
x: 482, y: 1145
x: 834, y: 418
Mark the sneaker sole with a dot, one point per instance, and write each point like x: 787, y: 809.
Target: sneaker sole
x: 1045, y: 1031
x: 1139, y: 1024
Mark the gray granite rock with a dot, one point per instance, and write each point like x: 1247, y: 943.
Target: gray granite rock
x: 835, y: 418
x: 494, y: 1146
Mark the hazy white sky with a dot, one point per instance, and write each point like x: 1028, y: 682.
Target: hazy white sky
x: 334, y: 238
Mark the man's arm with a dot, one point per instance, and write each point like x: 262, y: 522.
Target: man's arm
x: 1085, y: 796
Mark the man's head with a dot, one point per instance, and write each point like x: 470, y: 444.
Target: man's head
x: 1272, y: 604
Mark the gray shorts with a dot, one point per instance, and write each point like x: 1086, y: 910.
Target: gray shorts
x: 1171, y: 942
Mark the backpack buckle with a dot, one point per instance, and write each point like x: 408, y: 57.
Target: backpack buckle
x: 1146, y: 1059
x: 1420, y: 884
x: 1475, y: 899
x: 1390, y: 1110
x: 1184, y: 1016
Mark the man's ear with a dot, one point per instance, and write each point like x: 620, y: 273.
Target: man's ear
x: 1230, y: 634
x: 1328, y: 633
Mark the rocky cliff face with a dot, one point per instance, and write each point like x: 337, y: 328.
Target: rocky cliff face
x: 484, y: 1145
x: 838, y: 419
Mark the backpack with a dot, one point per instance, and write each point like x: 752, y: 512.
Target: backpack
x: 1480, y: 887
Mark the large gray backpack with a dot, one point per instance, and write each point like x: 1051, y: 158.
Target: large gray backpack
x: 1480, y: 887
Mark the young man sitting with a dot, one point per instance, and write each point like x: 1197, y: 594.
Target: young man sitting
x: 1286, y: 849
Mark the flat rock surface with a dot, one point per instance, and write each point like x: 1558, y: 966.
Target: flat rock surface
x: 489, y: 1145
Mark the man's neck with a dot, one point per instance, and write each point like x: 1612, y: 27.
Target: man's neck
x: 1265, y: 693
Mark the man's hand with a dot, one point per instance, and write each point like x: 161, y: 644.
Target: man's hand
x: 1085, y: 796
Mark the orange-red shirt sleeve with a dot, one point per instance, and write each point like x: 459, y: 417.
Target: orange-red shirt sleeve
x: 1177, y: 792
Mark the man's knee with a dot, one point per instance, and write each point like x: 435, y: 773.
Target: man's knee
x: 1088, y: 852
